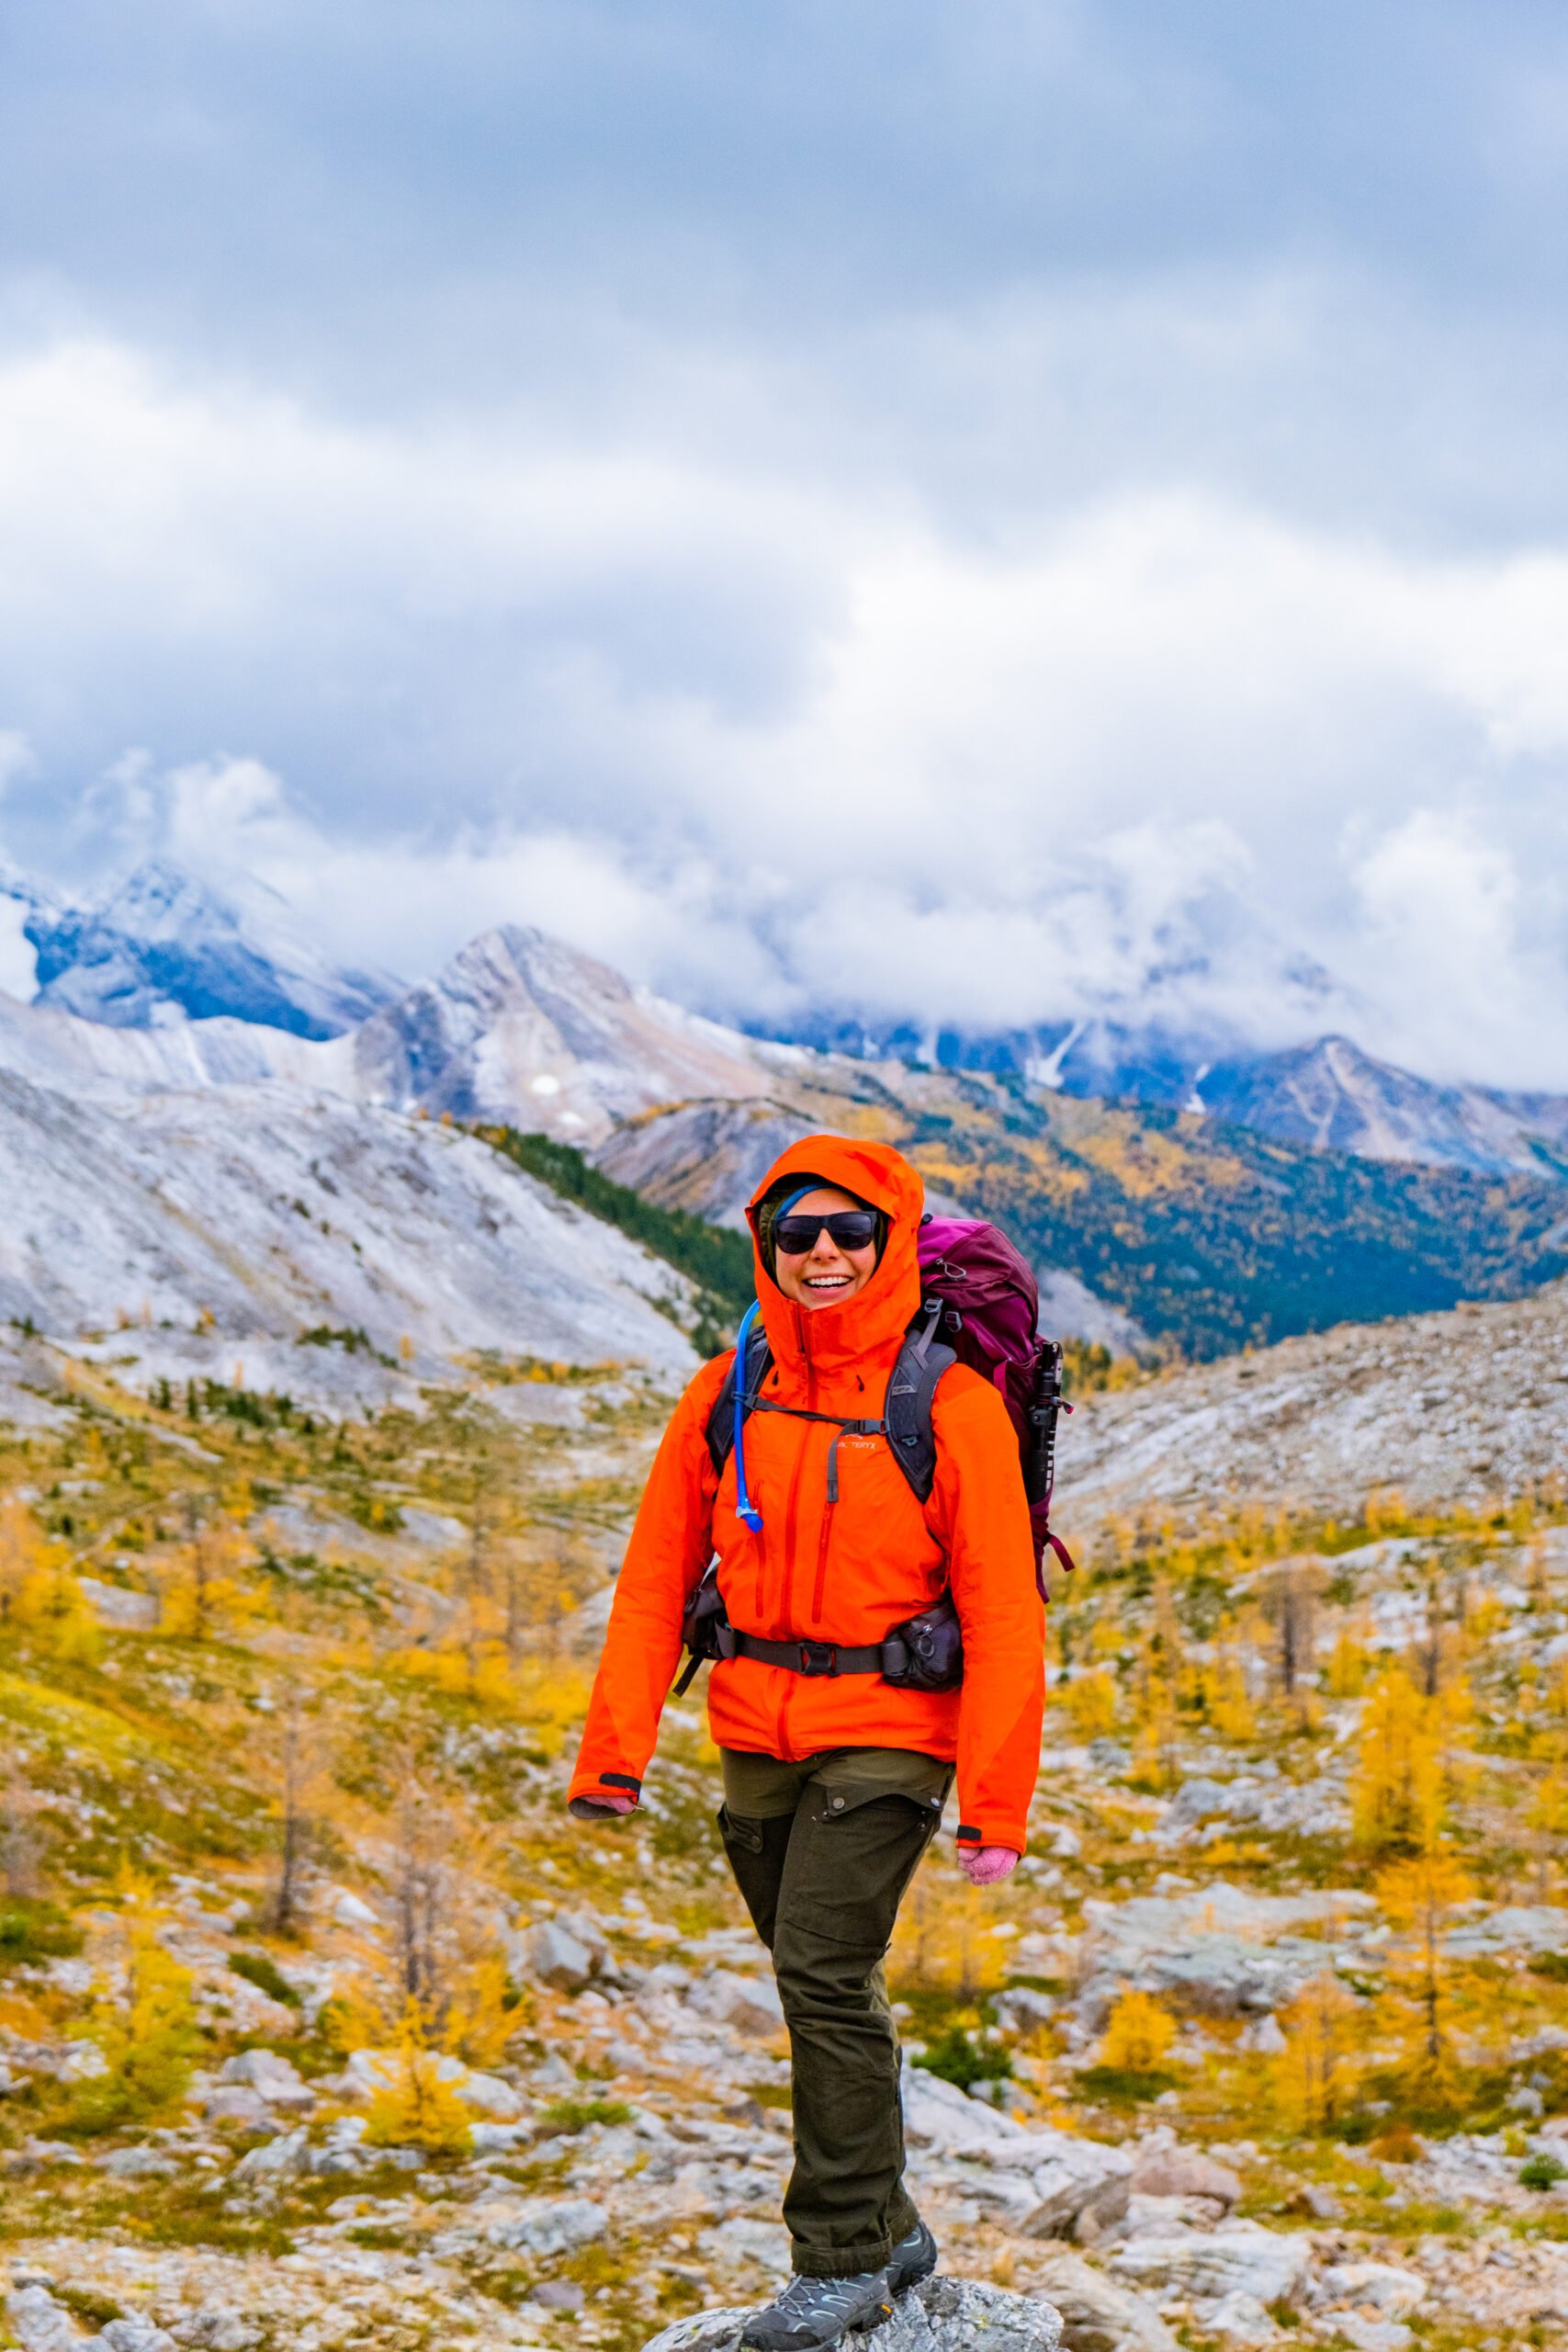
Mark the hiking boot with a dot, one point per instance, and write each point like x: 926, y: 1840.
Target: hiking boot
x: 914, y: 2258
x: 813, y: 2314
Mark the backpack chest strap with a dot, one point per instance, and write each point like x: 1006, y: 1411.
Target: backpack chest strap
x: 842, y: 1426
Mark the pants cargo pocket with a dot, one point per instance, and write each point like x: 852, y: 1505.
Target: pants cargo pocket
x: 839, y: 1801
x: 736, y: 1831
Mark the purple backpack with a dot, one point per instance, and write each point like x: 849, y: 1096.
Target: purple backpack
x: 989, y: 1304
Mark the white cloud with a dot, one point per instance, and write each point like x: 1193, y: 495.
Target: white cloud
x: 1462, y: 973
x: 18, y: 960
x: 757, y: 741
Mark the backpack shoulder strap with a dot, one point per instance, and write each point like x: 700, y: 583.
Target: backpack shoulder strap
x: 721, y: 1414
x: 910, y: 1389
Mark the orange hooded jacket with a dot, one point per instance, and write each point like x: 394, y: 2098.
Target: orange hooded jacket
x: 845, y: 1572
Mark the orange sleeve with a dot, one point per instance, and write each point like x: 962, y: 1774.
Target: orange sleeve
x: 980, y: 1514
x: 671, y: 1546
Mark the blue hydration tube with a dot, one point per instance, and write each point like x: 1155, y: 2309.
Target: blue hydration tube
x: 745, y: 1509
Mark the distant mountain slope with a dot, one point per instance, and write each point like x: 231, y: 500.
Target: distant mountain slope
x: 161, y: 944
x: 1452, y: 1409
x: 1202, y: 1235
x: 263, y: 1213
x: 41, y: 1042
x: 1333, y: 1095
x: 520, y: 1028
x: 705, y: 1157
x: 1328, y: 1094
x: 1208, y: 1236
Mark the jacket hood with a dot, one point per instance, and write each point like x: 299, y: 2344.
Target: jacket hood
x: 875, y: 1319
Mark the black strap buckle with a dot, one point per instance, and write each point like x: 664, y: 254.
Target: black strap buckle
x: 818, y: 1657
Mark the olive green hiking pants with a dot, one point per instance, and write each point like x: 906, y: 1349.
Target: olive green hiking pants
x: 822, y: 1852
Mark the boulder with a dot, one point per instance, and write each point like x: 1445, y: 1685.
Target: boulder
x: 1021, y: 2010
x: 215, y: 2329
x: 370, y: 2072
x: 131, y: 2333
x: 138, y: 2163
x: 1371, y: 2335
x: 1390, y: 2290
x: 38, y: 2321
x: 941, y: 2315
x: 1043, y: 2184
x: 1239, y: 2257
x: 750, y: 2004
x: 1218, y: 1948
x: 351, y: 1910
x: 1099, y: 2315
x: 231, y: 2103
x: 274, y: 2078
x: 743, y: 2239
x: 550, y: 2225
x: 491, y: 2096
x: 554, y: 1956
x: 1238, y: 2318
x: 1530, y: 1927
x: 286, y: 2153
x: 1184, y: 2172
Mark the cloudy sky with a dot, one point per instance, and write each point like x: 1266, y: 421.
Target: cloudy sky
x: 966, y: 508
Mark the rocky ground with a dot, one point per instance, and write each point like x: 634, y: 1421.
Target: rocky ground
x: 1454, y: 1409
x: 1169, y: 2082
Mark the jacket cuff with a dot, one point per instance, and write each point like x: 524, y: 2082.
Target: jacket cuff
x: 993, y: 1833
x: 588, y: 1784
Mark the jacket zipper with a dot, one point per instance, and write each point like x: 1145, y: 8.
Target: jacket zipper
x: 820, y: 1588
x: 791, y: 1516
x: 792, y: 1504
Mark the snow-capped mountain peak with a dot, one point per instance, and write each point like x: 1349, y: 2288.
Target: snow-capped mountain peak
x: 162, y: 945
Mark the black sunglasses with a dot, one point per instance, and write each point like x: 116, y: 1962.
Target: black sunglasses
x: 796, y: 1237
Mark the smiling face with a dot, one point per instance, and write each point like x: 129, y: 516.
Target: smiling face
x: 829, y: 1274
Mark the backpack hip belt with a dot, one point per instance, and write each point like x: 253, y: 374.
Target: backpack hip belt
x: 925, y: 1652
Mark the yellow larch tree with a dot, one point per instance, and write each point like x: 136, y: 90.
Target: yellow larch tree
x: 1419, y: 1896
x: 1138, y: 2034
x: 1396, y: 1789
x: 1312, y: 2075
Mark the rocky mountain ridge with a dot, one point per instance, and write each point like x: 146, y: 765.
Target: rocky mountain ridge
x: 193, y: 1230
x: 1453, y: 1410
x: 160, y: 946
x: 1327, y: 1093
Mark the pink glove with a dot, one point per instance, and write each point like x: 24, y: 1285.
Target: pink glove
x: 986, y: 1865
x: 586, y: 1807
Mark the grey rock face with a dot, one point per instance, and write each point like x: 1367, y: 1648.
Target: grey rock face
x: 1097, y: 2315
x: 233, y: 2103
x: 276, y: 2080
x: 138, y: 2163
x: 1239, y: 2259
x: 131, y: 2333
x: 1038, y: 2183
x: 1185, y: 2172
x: 558, y: 1959
x: 547, y: 2225
x: 39, y: 2323
x: 943, y: 2316
x: 213, y: 2329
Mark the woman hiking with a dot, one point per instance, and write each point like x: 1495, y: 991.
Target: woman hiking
x: 834, y: 1778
